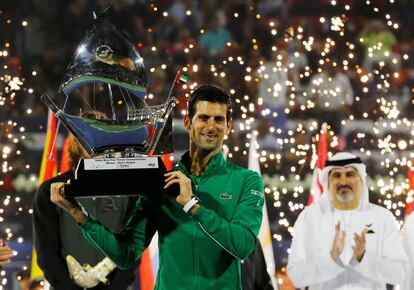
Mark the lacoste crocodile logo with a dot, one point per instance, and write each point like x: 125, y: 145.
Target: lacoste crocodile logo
x: 225, y: 195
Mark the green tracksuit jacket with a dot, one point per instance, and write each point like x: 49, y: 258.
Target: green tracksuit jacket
x: 202, y: 251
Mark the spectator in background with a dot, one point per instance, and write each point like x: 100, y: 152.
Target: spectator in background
x: 332, y: 92
x: 266, y: 139
x: 273, y: 89
x: 76, y: 10
x: 180, y: 11
x: 276, y: 8
x: 157, y: 84
x: 214, y: 40
x: 378, y: 42
x: 298, y: 61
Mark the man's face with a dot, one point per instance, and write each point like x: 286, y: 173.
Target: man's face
x: 208, y: 126
x: 345, y: 184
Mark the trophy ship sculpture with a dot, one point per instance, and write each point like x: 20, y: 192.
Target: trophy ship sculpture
x: 126, y: 148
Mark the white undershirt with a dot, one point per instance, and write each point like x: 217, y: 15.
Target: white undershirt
x: 346, y: 217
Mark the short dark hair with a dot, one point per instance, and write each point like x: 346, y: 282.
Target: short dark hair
x: 209, y: 93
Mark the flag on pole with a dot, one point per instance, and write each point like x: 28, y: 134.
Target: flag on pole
x: 265, y: 237
x: 48, y: 169
x: 181, y: 78
x: 316, y: 186
x: 410, y: 195
x: 148, y: 267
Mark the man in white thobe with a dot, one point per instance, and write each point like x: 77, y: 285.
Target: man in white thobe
x: 343, y: 241
x: 407, y: 233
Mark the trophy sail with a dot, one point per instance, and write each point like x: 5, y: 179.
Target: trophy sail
x: 106, y: 55
x: 108, y: 74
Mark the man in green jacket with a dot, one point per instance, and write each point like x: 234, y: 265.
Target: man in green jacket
x: 209, y: 227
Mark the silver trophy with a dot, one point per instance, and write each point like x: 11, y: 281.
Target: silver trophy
x: 107, y: 75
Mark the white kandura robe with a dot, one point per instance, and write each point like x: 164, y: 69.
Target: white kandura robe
x: 310, y: 263
x: 407, y: 233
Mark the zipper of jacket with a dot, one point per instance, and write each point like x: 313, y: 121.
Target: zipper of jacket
x: 195, y: 187
x: 205, y: 231
x: 218, y: 243
x: 195, y: 245
x: 195, y: 257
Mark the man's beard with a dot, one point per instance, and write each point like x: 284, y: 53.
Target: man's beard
x: 345, y: 198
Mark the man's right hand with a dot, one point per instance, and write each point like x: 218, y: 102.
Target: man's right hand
x: 338, y: 242
x: 70, y: 205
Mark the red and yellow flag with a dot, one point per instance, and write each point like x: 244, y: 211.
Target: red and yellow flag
x: 48, y: 169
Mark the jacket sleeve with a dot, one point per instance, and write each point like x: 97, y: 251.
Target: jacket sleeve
x: 122, y: 278
x: 390, y: 265
x: 47, y: 240
x: 303, y: 269
x: 124, y: 248
x: 237, y: 236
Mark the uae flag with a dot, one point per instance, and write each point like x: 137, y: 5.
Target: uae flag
x: 316, y: 187
x: 181, y: 78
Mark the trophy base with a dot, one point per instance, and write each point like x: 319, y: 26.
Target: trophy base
x: 119, y: 176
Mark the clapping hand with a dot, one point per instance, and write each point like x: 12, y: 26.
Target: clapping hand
x: 338, y: 242
x: 359, y: 247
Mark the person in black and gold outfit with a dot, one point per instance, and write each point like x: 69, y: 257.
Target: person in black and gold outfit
x: 59, y: 242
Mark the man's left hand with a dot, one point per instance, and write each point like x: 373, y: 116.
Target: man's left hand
x: 6, y: 253
x: 177, y: 177
x: 359, y: 247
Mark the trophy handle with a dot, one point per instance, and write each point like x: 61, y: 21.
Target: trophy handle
x: 170, y: 103
x: 49, y: 103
